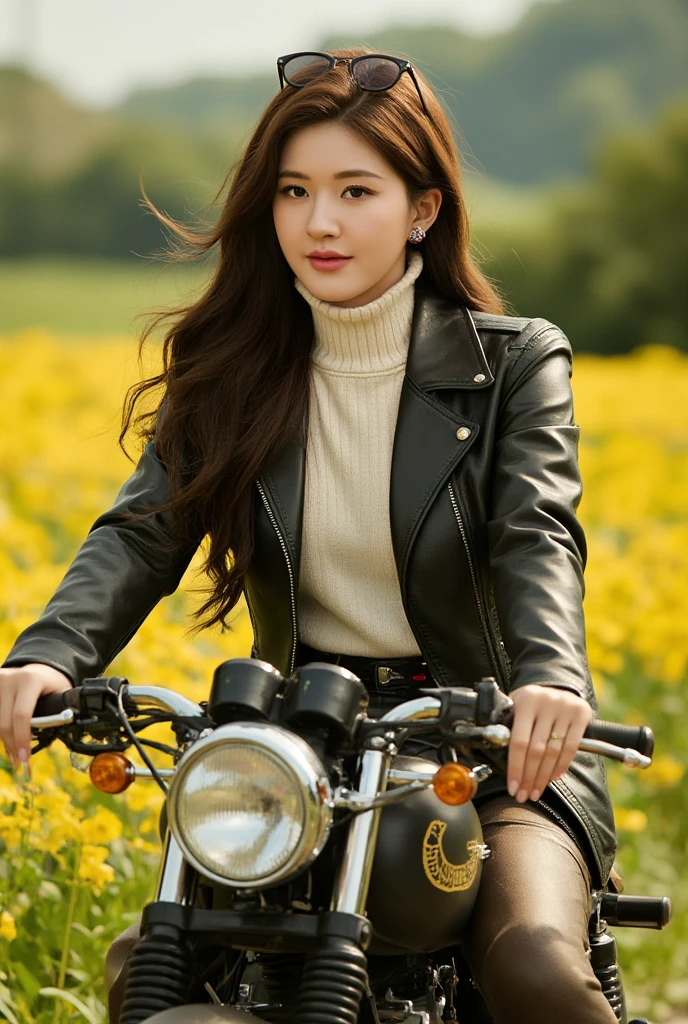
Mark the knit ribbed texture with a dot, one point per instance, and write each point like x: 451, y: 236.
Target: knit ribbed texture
x: 349, y: 596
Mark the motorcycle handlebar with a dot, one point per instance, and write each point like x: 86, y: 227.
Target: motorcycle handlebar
x: 53, y: 703
x: 638, y: 738
x: 635, y: 911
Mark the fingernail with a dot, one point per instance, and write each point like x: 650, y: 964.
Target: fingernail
x: 24, y: 766
x: 512, y: 787
x: 521, y: 796
x: 535, y: 794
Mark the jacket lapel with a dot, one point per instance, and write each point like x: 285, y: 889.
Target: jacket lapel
x: 444, y: 352
x: 430, y: 438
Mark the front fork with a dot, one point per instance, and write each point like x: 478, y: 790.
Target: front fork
x: 350, y: 891
x: 176, y: 881
x: 158, y: 977
x: 335, y: 975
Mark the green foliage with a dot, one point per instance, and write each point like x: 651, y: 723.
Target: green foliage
x: 97, y: 207
x: 608, y: 262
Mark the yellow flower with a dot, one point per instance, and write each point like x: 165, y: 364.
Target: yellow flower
x: 630, y: 819
x: 143, y: 796
x: 102, y: 828
x: 54, y: 841
x: 53, y: 803
x: 93, y: 868
x: 141, y: 844
x: 8, y: 789
x: 151, y: 823
x: 665, y: 771
x: 8, y: 929
x: 70, y: 824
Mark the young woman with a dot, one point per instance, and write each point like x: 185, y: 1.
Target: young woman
x: 386, y: 466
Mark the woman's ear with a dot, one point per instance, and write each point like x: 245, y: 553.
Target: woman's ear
x: 427, y: 208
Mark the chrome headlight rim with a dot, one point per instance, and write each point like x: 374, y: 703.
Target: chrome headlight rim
x: 293, y: 754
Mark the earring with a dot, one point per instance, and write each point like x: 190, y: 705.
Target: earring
x: 417, y: 235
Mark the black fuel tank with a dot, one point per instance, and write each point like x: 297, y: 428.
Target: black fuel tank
x: 426, y: 873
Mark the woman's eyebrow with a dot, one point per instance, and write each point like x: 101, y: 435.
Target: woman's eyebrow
x: 356, y: 173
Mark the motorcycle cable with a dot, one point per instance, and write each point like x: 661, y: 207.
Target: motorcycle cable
x: 124, y: 722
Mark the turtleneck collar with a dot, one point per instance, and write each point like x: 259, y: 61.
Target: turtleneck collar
x: 368, y: 339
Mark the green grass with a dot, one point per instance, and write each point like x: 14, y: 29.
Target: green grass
x: 89, y: 296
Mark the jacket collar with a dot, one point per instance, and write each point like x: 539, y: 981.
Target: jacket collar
x: 445, y: 350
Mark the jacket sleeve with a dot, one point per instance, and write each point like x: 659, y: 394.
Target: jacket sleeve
x: 537, y: 547
x: 119, y: 574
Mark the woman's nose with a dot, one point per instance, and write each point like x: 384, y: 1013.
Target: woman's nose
x: 322, y: 221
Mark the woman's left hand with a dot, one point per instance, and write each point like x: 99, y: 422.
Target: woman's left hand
x: 548, y: 725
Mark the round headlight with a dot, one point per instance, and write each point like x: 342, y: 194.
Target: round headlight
x: 249, y: 805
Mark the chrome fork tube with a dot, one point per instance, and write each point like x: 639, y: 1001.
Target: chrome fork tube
x: 174, y: 880
x: 350, y: 890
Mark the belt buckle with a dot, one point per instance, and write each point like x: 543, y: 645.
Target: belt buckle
x: 386, y: 675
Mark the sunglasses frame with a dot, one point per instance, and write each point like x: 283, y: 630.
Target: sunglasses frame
x: 401, y: 63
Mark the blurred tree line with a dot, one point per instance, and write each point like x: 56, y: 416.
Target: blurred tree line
x: 608, y: 262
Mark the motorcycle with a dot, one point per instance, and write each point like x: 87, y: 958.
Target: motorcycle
x: 311, y: 871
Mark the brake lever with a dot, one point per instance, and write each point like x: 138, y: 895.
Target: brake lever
x: 495, y: 735
x: 64, y: 717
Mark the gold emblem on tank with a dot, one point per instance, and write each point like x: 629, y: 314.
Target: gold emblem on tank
x: 439, y: 871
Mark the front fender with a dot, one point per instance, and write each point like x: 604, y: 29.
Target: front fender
x: 203, y: 1014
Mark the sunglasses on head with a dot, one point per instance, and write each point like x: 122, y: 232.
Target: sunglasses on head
x: 373, y: 72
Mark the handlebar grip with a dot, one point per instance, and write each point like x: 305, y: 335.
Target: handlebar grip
x: 637, y: 737
x: 636, y: 911
x: 54, y: 703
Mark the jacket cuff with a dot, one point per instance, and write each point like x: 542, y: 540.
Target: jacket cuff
x: 53, y: 653
x: 547, y: 682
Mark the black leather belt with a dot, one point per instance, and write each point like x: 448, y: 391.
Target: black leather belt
x: 380, y: 675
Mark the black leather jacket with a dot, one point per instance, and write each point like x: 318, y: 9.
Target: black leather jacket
x: 490, y: 555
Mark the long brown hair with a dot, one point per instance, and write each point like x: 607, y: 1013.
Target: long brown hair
x: 235, y: 363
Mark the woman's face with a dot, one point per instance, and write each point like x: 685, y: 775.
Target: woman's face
x: 336, y: 193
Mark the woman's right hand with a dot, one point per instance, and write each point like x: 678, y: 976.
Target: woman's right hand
x: 20, y: 689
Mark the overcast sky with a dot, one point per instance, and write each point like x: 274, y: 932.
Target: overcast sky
x: 98, y: 50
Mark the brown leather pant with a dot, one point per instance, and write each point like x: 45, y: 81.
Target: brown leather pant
x: 527, y: 939
x: 526, y: 942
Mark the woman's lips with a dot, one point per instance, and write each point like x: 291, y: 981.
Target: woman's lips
x: 328, y: 262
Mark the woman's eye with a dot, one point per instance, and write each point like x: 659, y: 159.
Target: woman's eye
x: 352, y: 188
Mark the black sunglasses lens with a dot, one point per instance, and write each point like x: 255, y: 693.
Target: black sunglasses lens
x: 304, y: 69
x: 375, y: 73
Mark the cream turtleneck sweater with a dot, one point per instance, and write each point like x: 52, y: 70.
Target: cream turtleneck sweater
x: 349, y: 596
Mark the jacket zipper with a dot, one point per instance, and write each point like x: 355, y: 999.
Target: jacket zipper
x: 292, y: 589
x: 256, y: 642
x: 476, y: 593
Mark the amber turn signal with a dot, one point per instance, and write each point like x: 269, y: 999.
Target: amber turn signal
x: 455, y: 783
x: 111, y: 773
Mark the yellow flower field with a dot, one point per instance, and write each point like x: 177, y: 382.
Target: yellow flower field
x: 76, y: 866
